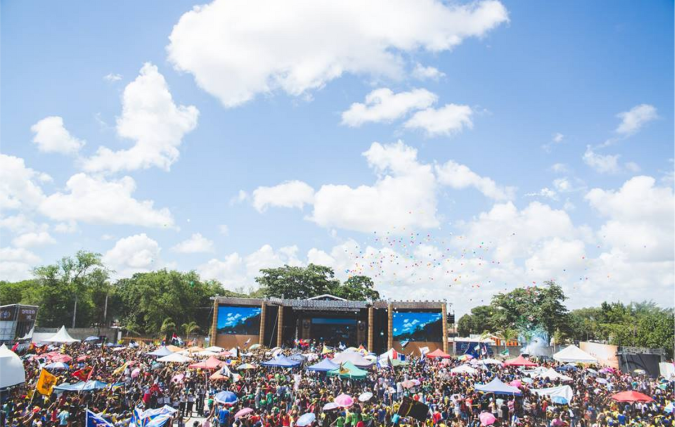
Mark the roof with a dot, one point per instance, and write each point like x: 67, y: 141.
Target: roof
x: 327, y: 297
x: 62, y: 336
x: 11, y: 367
x: 574, y: 354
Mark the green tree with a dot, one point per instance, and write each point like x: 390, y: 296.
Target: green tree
x: 15, y: 293
x: 168, y: 328
x: 358, y: 288
x: 190, y: 328
x: 298, y: 282
x: 480, y: 320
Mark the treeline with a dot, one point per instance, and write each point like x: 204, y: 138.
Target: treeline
x: 157, y: 303
x: 513, y: 314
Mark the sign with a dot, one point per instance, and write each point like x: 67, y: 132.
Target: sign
x: 27, y: 314
x: 8, y: 312
x: 606, y: 354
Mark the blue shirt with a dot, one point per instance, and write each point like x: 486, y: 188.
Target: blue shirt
x: 223, y: 416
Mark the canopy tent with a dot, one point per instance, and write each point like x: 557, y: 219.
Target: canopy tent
x: 62, y: 337
x: 519, y: 361
x: 438, y: 353
x: 211, y: 364
x: 551, y: 374
x: 215, y: 349
x: 632, y: 396
x: 174, y: 358
x: 562, y: 395
x: 463, y: 369
x: 349, y: 370
x: 160, y: 352
x: 82, y: 386
x: 281, y: 361
x: 574, y: 354
x: 490, y: 361
x: 496, y: 386
x: 12, y: 371
x: 324, y: 366
x: 354, y: 358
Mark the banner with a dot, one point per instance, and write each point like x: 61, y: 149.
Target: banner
x: 606, y: 354
x: 95, y: 420
x: 45, y: 383
x: 414, y: 409
x: 152, y: 417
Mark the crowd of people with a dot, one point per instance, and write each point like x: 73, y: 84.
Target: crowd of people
x: 130, y: 378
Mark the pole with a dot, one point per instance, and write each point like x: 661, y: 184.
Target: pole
x: 105, y: 309
x: 75, y: 311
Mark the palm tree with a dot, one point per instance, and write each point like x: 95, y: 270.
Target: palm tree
x: 168, y: 327
x: 507, y: 335
x: 189, y: 328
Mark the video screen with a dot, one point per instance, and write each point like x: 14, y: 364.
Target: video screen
x: 418, y: 326
x: 235, y: 320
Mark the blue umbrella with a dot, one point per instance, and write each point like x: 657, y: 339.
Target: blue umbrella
x: 226, y: 398
x: 306, y: 419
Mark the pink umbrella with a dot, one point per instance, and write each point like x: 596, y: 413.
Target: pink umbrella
x: 178, y: 379
x: 344, y: 401
x: 516, y: 383
x: 487, y: 419
x: 243, y: 413
x: 136, y: 372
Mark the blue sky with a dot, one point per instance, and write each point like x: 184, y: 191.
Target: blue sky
x: 522, y: 141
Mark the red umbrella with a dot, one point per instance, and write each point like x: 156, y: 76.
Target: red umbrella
x: 632, y: 396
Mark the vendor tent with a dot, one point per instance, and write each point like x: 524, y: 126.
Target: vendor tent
x: 354, y: 358
x: 551, y: 374
x: 463, y: 369
x: 438, y: 353
x: 160, y: 352
x: 211, y: 364
x: 62, y: 337
x: 11, y: 368
x: 349, y: 370
x: 574, y: 354
x: 519, y: 361
x: 281, y: 362
x: 174, y: 358
x: 324, y: 366
x: 496, y: 386
x: 562, y: 395
x: 632, y: 396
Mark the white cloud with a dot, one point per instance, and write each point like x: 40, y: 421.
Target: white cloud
x: 19, y: 223
x: 52, y: 137
x: 195, y: 244
x: 603, y: 163
x: 236, y: 50
x: 134, y: 254
x: 445, y: 121
x: 632, y: 167
x: 98, y: 201
x: 19, y: 185
x: 560, y: 168
x: 66, y: 227
x: 383, y: 105
x: 241, y: 197
x: 112, y: 77
x: 153, y: 121
x: 16, y: 263
x: 459, y: 176
x: 545, y: 192
x: 32, y: 239
x: 228, y: 271
x: 558, y: 138
x: 420, y: 72
x: 634, y: 119
x: 290, y: 194
x: 224, y: 229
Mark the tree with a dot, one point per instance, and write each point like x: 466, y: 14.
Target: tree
x: 479, y: 321
x: 168, y: 328
x: 190, y: 328
x: 298, y: 282
x: 358, y: 288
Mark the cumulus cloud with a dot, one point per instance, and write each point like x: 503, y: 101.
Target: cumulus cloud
x: 383, y: 105
x: 634, y: 119
x: 459, y: 176
x: 134, y: 254
x: 52, y: 137
x: 32, y: 239
x: 20, y: 186
x: 290, y: 194
x: 153, y: 121
x: 112, y: 77
x: 99, y: 201
x: 445, y: 121
x: 195, y: 244
x: 16, y: 263
x: 420, y: 72
x: 603, y: 163
x: 238, y: 49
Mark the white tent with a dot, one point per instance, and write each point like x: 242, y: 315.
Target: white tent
x: 463, y: 369
x: 490, y: 362
x: 11, y: 368
x: 62, y: 336
x: 562, y: 394
x: 174, y: 358
x: 574, y: 354
x: 215, y: 349
x: 551, y: 374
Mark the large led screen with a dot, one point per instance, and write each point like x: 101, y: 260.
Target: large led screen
x: 234, y: 320
x: 418, y: 326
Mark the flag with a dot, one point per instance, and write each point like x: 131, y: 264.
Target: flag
x: 15, y: 347
x: 414, y: 409
x: 477, y: 347
x: 121, y: 369
x: 95, y: 420
x: 424, y: 350
x: 151, y: 417
x: 82, y: 374
x: 505, y: 353
x: 404, y: 343
x: 343, y: 370
x: 247, y: 341
x: 45, y: 383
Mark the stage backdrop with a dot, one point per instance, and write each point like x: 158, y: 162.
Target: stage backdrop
x: 606, y: 354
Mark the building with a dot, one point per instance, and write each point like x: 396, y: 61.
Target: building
x: 377, y: 325
x: 17, y: 322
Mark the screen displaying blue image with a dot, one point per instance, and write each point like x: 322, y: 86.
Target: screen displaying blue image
x: 235, y: 320
x: 418, y: 326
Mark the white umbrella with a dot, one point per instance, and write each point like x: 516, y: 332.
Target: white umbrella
x: 364, y: 397
x: 174, y: 358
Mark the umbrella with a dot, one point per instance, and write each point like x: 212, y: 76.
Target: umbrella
x: 178, y: 379
x: 306, y: 419
x: 243, y: 413
x: 669, y: 408
x: 408, y: 384
x: 329, y: 406
x: 244, y: 366
x: 639, y: 371
x: 82, y: 358
x: 227, y: 398
x: 254, y: 347
x: 92, y: 338
x: 364, y: 397
x: 487, y: 419
x: 61, y: 358
x: 344, y: 401
x: 57, y: 365
x: 136, y: 372
x: 516, y: 383
x: 601, y: 381
x: 632, y: 396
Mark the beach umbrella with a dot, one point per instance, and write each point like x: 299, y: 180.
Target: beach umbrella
x: 364, y: 397
x: 136, y: 372
x: 487, y: 419
x: 344, y: 401
x: 669, y: 408
x: 254, y: 347
x: 305, y: 419
x: 226, y: 398
x: 82, y: 358
x: 61, y: 358
x: 243, y: 413
x: 632, y: 396
x: 601, y: 381
x: 57, y: 366
x: 330, y: 406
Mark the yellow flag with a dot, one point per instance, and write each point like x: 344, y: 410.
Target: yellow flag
x: 45, y: 383
x: 121, y: 369
x: 343, y: 370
